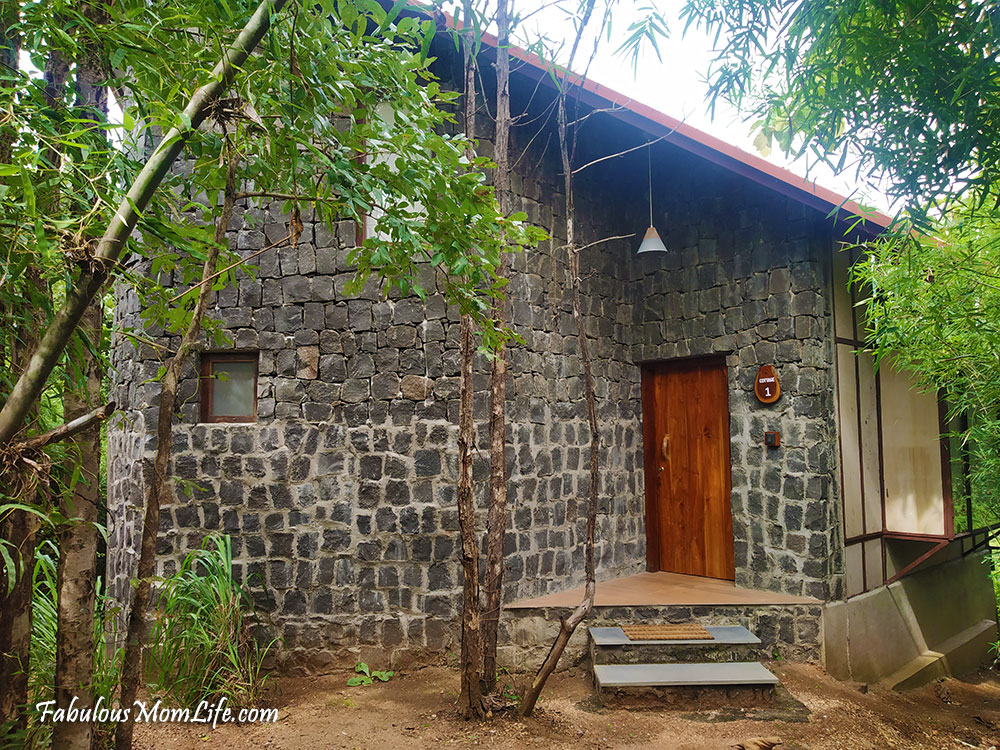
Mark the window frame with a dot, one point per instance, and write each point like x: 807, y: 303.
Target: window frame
x: 882, y: 536
x: 206, y: 385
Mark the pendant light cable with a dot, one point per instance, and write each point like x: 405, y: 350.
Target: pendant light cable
x: 649, y: 155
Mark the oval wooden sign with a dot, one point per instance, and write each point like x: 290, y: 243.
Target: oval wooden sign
x: 766, y: 386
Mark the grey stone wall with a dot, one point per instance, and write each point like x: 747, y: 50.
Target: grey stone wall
x: 748, y: 278
x: 341, y: 498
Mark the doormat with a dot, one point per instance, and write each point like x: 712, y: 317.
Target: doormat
x: 685, y: 631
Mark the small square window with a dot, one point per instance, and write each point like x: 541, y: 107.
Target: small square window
x: 229, y: 387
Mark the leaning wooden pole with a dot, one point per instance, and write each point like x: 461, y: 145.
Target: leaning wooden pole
x: 568, y: 625
x: 112, y: 245
x: 159, y: 488
x: 496, y: 521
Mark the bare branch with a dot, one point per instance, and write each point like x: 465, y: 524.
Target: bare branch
x: 607, y: 239
x: 68, y: 430
x: 647, y: 144
x: 230, y: 267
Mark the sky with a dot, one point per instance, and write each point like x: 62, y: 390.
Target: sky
x: 676, y: 85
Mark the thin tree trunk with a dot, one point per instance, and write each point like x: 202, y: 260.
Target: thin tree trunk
x: 77, y: 569
x: 470, y: 696
x: 11, y: 605
x: 159, y: 487
x: 15, y: 624
x: 20, y: 527
x: 496, y: 522
x: 568, y: 625
x: 111, y: 246
x: 77, y: 572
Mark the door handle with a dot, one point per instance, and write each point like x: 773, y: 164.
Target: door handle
x: 665, y: 448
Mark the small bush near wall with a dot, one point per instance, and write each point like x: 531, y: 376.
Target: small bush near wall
x: 201, y: 646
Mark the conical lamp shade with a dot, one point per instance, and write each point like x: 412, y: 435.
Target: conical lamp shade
x: 651, y: 243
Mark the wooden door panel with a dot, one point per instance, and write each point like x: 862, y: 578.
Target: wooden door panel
x: 689, y: 516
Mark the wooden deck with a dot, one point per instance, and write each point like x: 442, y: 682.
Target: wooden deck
x: 655, y: 589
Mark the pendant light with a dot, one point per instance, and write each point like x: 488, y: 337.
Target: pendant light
x: 651, y: 242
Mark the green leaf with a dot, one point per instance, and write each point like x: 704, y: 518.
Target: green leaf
x: 10, y: 567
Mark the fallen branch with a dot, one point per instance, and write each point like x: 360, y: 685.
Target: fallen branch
x: 66, y: 431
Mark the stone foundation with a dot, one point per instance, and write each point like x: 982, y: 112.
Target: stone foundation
x: 792, y: 632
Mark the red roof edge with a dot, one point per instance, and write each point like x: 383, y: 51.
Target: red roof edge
x: 690, y: 138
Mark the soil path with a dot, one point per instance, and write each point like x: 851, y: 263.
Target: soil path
x: 416, y: 710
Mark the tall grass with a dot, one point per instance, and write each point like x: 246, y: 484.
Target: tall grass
x: 42, y: 668
x: 201, y: 645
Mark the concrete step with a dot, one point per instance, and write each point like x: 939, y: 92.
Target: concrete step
x: 956, y: 656
x: 722, y: 674
x: 730, y: 643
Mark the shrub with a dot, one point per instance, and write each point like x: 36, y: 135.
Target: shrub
x: 201, y: 646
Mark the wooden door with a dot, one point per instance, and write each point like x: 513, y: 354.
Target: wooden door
x: 689, y: 522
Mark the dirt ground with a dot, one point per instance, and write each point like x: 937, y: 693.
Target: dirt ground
x: 416, y: 709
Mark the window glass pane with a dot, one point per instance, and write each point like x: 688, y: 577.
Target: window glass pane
x: 233, y: 389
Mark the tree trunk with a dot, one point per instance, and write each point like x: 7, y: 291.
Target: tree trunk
x: 470, y: 696
x: 15, y: 624
x: 112, y: 245
x: 496, y: 522
x: 159, y: 488
x: 77, y: 570
x: 19, y: 528
x: 11, y: 650
x: 568, y: 625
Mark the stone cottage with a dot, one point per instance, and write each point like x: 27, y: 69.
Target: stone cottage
x: 329, y: 451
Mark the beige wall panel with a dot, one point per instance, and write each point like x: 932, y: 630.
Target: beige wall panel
x: 859, y: 315
x: 843, y: 322
x: 873, y: 563
x: 911, y: 448
x: 853, y: 575
x: 850, y: 458
x: 869, y: 443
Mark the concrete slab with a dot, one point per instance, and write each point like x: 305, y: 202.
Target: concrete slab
x: 938, y: 621
x: 956, y: 656
x: 683, y: 675
x: 722, y: 635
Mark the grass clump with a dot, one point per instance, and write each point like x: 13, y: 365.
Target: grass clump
x: 42, y: 665
x: 201, y: 646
